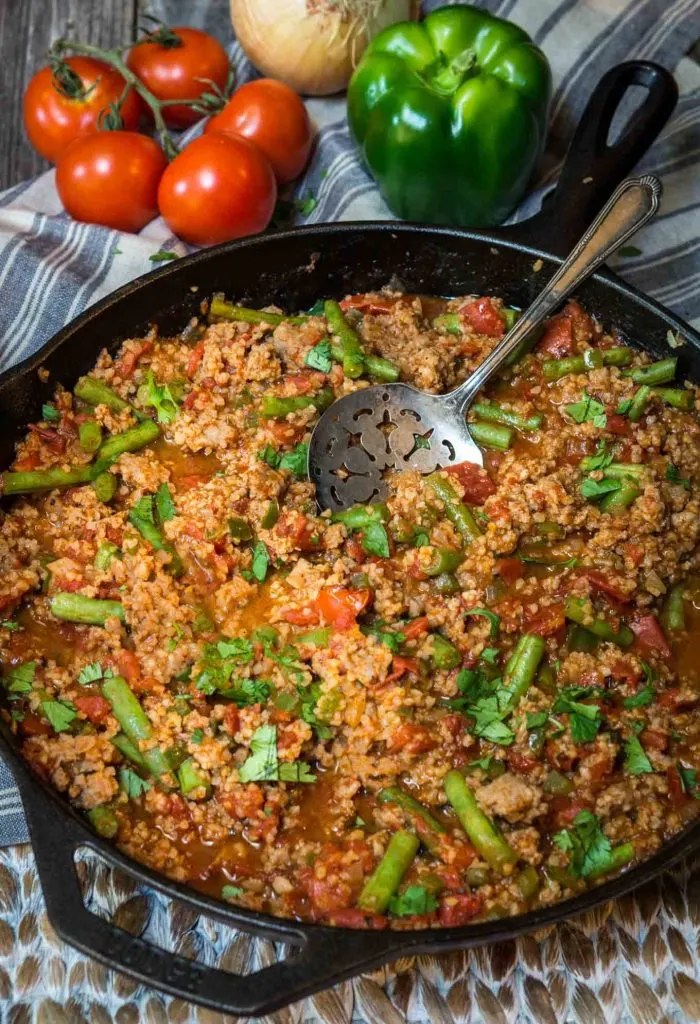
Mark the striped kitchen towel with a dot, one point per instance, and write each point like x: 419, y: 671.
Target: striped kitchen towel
x: 52, y: 268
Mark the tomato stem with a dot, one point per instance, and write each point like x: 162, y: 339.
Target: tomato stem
x: 114, y: 59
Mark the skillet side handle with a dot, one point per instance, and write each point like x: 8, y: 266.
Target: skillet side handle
x: 320, y: 961
x: 593, y: 169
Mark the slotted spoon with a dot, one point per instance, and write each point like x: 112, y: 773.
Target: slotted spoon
x: 374, y: 429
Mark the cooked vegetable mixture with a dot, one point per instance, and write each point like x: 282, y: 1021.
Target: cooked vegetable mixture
x: 475, y: 699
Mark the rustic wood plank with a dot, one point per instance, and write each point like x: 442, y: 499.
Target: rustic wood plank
x: 27, y: 28
x: 211, y: 15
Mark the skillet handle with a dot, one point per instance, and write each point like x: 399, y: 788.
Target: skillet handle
x: 592, y: 168
x: 322, y: 960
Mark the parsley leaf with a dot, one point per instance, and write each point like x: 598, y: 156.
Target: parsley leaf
x: 270, y: 456
x: 415, y: 901
x: 240, y: 649
x: 231, y: 892
x: 21, y: 677
x: 636, y: 761
x: 295, y: 771
x: 296, y: 461
x: 489, y: 655
x: 639, y: 700
x: 673, y: 475
x: 588, y: 410
x: 132, y: 784
x: 494, y: 620
x: 160, y: 397
x: 197, y: 736
x: 50, y: 413
x: 624, y: 406
x: 309, y: 699
x: 393, y: 640
x: 143, y: 510
x: 584, y: 719
x: 536, y: 719
x: 59, y: 713
x: 247, y: 692
x: 597, y: 488
x: 90, y: 673
x: 219, y: 661
x: 261, y: 561
x: 689, y: 779
x: 375, y: 540
x: 165, y: 506
x: 162, y: 256
x: 319, y: 357
x: 307, y: 205
x: 589, y: 849
x: 601, y: 459
x: 262, y: 764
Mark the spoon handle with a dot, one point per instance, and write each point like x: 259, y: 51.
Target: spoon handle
x: 633, y: 203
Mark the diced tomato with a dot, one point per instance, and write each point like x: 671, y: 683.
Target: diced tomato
x: 546, y: 621
x: 557, y: 757
x: 303, y: 533
x: 231, y: 719
x: 412, y: 738
x: 328, y: 896
x: 459, y: 855
x: 522, y: 764
x: 34, y: 725
x: 510, y: 569
x: 178, y: 807
x: 400, y: 666
x: 306, y: 382
x: 195, y: 359
x: 558, y: 338
x: 676, y: 789
x: 340, y: 606
x: 370, y: 303
x: 565, y: 809
x: 355, y: 550
x: 54, y: 441
x: 624, y: 671
x: 582, y: 323
x: 677, y: 699
x: 476, y: 482
x: 650, y: 637
x: 285, y: 433
x: 453, y: 724
x: 190, y: 480
x: 30, y: 462
x: 189, y: 399
x: 483, y: 316
x: 654, y: 739
x: 599, y: 581
x: 417, y: 627
x: 458, y: 908
x: 94, y: 707
x: 129, y: 667
x: 617, y: 424
x: 126, y: 367
x: 354, y: 918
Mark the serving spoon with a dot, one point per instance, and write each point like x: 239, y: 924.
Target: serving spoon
x: 374, y: 429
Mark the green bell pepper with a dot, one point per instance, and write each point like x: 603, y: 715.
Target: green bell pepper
x: 451, y: 115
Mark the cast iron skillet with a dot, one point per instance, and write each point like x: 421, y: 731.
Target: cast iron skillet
x: 295, y: 268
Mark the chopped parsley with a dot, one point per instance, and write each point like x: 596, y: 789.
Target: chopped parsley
x: 231, y: 892
x: 132, y: 784
x: 263, y: 764
x: 163, y: 256
x: 247, y: 692
x: 197, y: 736
x: 296, y: 461
x: 673, y: 475
x: 160, y: 397
x: 219, y: 662
x: 636, y: 761
x: 375, y: 540
x: 21, y: 677
x: 319, y: 357
x: 597, y: 488
x: 536, y: 719
x: 165, y: 506
x: 91, y: 673
x: 587, y: 410
x: 589, y: 849
x: 641, y: 699
x: 601, y: 459
x: 309, y: 700
x: 584, y: 719
x: 415, y: 901
x: 261, y: 561
x: 59, y: 713
x: 50, y: 413
x: 393, y: 640
x: 689, y: 781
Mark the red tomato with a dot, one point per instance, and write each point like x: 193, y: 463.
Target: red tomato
x: 415, y: 628
x: 220, y: 187
x: 510, y: 569
x: 476, y: 482
x: 545, y: 622
x: 599, y: 581
x: 458, y: 908
x: 483, y: 316
x: 558, y: 338
x: 111, y: 178
x: 272, y: 116
x: 400, y: 666
x: 412, y: 738
x: 181, y: 71
x: 340, y: 606
x: 53, y: 119
x: 95, y: 707
x: 617, y: 424
x: 650, y: 637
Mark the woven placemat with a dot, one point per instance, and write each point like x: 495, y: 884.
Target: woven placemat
x: 636, y: 960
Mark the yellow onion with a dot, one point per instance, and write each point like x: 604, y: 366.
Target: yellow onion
x: 313, y: 45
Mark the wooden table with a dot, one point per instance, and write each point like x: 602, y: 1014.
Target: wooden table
x: 27, y: 29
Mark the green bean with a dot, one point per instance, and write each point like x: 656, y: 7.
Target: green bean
x: 510, y: 316
x: 353, y: 357
x: 678, y: 398
x: 277, y: 407
x: 105, y: 486
x: 104, y: 821
x: 359, y: 517
x: 239, y: 529
x: 135, y: 722
x: 190, y: 778
x: 546, y: 678
x: 89, y: 436
x: 577, y: 610
x: 619, y: 856
x: 129, y: 441
x: 528, y: 881
x: 404, y: 800
x: 655, y: 373
x: 450, y: 322
x: 553, y: 369
x: 443, y: 560
x: 316, y: 637
x: 375, y: 366
x: 639, y: 403
x: 619, y: 470
x: 673, y: 612
x: 96, y: 392
x: 455, y: 510
x: 581, y: 639
x: 227, y: 311
x: 492, y: 413
x: 386, y: 878
x: 551, y: 529
x: 105, y: 553
x: 271, y: 515
x: 522, y: 666
x: 130, y: 751
x: 445, y: 654
x: 482, y: 833
x: 89, y: 610
x: 152, y: 534
x: 557, y: 784
x: 477, y: 876
x: 593, y: 359
x: 446, y: 584
x: 27, y: 481
x: 617, y: 501
x: 490, y: 435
